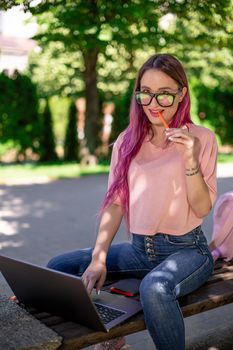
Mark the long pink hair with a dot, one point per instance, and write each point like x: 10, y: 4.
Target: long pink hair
x: 139, y: 126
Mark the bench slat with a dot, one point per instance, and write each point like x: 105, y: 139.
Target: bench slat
x: 208, y: 297
x: 224, y: 269
x: 220, y: 263
x: 220, y: 277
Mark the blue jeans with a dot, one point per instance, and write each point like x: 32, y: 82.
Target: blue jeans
x: 170, y: 267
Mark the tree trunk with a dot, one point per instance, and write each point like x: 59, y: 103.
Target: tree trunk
x: 92, y: 98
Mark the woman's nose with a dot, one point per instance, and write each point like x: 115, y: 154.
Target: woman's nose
x: 154, y: 102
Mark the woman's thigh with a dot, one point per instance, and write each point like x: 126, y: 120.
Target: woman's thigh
x: 182, y: 272
x: 122, y: 261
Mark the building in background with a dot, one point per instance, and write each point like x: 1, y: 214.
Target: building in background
x: 15, y: 42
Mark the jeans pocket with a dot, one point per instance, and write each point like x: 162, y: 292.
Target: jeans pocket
x: 202, y: 244
x: 204, y: 249
x: 187, y: 239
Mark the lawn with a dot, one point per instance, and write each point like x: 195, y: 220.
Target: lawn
x: 61, y: 170
x: 225, y: 158
x: 51, y: 171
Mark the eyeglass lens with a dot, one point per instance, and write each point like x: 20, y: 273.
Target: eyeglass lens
x: 164, y: 100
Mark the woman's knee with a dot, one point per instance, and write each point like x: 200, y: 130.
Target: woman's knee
x: 55, y: 263
x: 155, y: 288
x: 73, y: 262
x: 60, y: 263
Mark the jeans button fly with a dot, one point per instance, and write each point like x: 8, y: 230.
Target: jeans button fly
x: 150, y: 250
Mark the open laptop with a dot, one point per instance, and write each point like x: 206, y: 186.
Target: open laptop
x: 65, y: 295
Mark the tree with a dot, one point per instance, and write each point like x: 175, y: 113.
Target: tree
x: 91, y: 26
x: 71, y: 139
x: 47, y: 140
x: 88, y: 26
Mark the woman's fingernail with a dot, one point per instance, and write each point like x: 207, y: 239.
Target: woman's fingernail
x: 98, y: 292
x: 170, y: 138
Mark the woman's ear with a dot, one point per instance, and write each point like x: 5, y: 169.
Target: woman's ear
x: 183, y: 93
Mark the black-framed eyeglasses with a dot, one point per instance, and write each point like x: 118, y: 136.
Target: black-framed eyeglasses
x: 164, y: 99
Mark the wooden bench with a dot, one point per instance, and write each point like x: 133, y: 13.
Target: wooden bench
x: 216, y: 292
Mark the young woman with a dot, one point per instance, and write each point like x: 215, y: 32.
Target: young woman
x: 163, y: 181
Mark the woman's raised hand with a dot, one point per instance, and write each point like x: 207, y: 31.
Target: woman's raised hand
x: 94, y: 276
x: 186, y: 143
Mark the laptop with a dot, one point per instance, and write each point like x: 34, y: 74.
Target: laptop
x: 65, y: 295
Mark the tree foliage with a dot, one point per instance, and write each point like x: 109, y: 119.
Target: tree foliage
x: 8, y: 4
x: 56, y: 72
x: 218, y: 111
x: 19, y: 119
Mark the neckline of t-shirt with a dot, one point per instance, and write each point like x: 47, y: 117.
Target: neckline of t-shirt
x: 165, y: 146
x: 162, y: 147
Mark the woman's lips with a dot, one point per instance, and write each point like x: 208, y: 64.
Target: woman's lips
x: 154, y: 113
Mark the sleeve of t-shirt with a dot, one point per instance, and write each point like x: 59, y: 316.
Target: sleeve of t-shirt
x: 111, y: 177
x: 208, y: 164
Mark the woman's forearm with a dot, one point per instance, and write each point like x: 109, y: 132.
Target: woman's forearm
x: 109, y: 224
x: 198, y: 192
x: 189, y: 146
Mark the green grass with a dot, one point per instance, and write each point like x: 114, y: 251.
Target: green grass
x: 63, y: 170
x: 225, y: 158
x: 51, y: 171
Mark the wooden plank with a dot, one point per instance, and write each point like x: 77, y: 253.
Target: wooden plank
x: 207, y: 297
x: 224, y: 269
x: 220, y: 277
x: 220, y: 263
x: 53, y: 321
x: 72, y: 339
x: 41, y: 315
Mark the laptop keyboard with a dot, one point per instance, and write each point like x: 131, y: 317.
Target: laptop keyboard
x: 107, y: 314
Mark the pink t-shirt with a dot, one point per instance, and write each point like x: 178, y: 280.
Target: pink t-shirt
x: 157, y: 185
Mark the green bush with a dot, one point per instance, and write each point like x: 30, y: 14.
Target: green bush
x: 215, y: 107
x: 19, y: 119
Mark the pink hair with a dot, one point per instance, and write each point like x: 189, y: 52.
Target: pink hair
x: 139, y: 126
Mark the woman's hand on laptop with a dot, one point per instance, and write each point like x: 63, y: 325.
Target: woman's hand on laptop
x: 94, y: 276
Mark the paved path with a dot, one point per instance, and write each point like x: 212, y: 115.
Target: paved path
x: 39, y: 221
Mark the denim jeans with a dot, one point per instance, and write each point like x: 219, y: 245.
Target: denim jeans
x: 169, y: 266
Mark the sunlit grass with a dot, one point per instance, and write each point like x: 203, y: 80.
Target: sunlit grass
x: 62, y: 170
x: 225, y: 158
x: 51, y: 170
